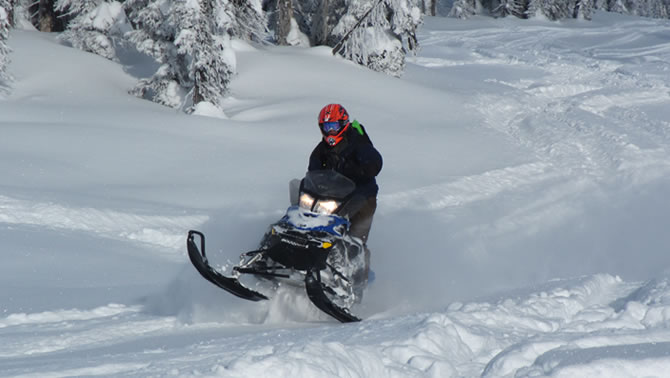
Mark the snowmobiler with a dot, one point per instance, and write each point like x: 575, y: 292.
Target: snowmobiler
x: 320, y: 242
x: 347, y: 148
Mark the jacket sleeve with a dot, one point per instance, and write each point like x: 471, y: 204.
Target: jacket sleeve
x: 315, y: 162
x: 370, y: 161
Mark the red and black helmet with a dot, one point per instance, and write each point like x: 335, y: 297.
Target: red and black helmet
x: 333, y: 123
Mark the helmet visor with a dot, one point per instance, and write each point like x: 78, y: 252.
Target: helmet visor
x: 331, y: 128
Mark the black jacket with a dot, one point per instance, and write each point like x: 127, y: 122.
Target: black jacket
x: 354, y: 157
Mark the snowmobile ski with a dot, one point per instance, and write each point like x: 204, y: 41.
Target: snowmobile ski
x: 231, y: 285
x: 315, y: 293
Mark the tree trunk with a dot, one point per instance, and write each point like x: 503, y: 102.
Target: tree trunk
x: 320, y: 30
x: 200, y: 76
x: 10, y: 13
x: 197, y: 87
x: 47, y: 16
x: 284, y: 21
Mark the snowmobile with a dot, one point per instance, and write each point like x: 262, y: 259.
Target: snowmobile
x: 309, y: 246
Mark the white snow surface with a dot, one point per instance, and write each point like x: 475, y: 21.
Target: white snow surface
x: 522, y: 228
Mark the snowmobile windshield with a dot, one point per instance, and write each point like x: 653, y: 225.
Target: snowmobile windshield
x: 328, y: 183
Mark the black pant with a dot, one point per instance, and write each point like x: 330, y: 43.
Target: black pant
x: 362, y: 221
x: 360, y: 228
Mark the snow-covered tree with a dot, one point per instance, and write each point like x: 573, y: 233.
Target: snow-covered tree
x: 617, y: 6
x: 647, y: 8
x: 21, y: 15
x: 152, y: 35
x: 96, y: 25
x: 6, y: 10
x: 584, y: 9
x: 505, y: 8
x: 464, y: 8
x: 242, y: 19
x: 304, y: 22
x: 8, y: 6
x: 551, y: 9
x: 323, y: 18
x: 375, y: 33
x: 284, y: 21
x: 661, y: 9
x: 211, y: 70
x: 181, y: 36
x: 559, y: 9
x: 382, y: 33
x: 600, y: 4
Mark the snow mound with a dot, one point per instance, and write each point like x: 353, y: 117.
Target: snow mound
x: 207, y: 109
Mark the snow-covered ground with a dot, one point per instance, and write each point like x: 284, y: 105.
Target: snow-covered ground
x: 522, y: 227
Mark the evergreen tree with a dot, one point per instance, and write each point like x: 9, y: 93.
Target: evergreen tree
x: 617, y: 6
x: 600, y: 5
x: 9, y: 9
x: 381, y: 33
x: 648, y: 8
x: 242, y: 19
x: 21, y: 12
x: 6, y: 10
x: 96, y: 26
x: 552, y: 9
x: 560, y: 9
x: 154, y: 36
x: 181, y: 36
x: 375, y: 33
x: 211, y: 71
x: 584, y: 9
x: 517, y: 8
x: 464, y: 8
x: 317, y: 19
x: 662, y: 9
x: 309, y: 22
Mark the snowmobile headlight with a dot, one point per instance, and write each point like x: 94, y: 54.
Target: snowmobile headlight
x: 306, y: 201
x: 326, y: 207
